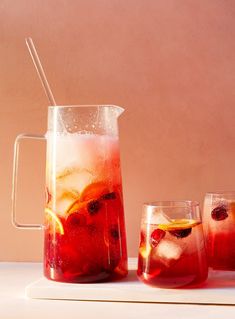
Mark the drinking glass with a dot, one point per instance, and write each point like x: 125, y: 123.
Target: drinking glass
x: 172, y: 249
x: 219, y: 226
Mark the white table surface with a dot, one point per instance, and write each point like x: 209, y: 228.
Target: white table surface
x: 14, y: 277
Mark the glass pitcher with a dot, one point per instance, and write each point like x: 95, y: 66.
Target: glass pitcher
x: 84, y: 228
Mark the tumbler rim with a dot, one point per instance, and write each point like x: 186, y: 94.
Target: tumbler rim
x: 171, y: 204
x: 221, y: 193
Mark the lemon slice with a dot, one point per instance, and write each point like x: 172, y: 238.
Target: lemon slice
x: 178, y: 224
x: 51, y: 216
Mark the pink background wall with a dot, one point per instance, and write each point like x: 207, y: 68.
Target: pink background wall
x: 170, y: 63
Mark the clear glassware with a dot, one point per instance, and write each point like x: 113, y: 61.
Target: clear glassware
x: 219, y: 227
x: 172, y: 248
x: 85, y: 239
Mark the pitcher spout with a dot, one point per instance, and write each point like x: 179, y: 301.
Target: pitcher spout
x: 92, y: 119
x: 118, y: 110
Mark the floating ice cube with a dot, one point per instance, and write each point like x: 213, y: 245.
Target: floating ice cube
x: 160, y: 218
x: 70, y: 182
x: 74, y: 179
x: 62, y: 205
x: 168, y: 251
x: 62, y: 199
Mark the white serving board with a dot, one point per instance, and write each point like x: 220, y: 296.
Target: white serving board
x: 219, y: 290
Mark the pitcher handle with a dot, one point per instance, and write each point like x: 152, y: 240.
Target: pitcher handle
x: 14, y: 181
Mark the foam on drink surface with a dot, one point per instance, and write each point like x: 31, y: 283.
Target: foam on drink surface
x: 81, y: 150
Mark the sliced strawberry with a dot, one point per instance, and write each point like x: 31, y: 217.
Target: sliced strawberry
x: 156, y: 236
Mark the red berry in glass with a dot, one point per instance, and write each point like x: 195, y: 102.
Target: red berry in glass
x: 219, y: 226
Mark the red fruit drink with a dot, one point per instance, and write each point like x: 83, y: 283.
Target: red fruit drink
x: 172, y: 253
x: 85, y: 237
x: 219, y: 226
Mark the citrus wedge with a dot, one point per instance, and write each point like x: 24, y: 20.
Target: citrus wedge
x: 76, y: 206
x: 94, y: 191
x: 70, y: 171
x: 52, y: 217
x: 67, y: 194
x: 178, y: 224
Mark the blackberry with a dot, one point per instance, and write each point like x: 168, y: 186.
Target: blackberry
x: 108, y: 196
x: 181, y: 233
x: 76, y: 219
x: 114, y: 233
x: 93, y: 207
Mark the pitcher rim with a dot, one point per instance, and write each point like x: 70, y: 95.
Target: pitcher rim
x: 85, y: 105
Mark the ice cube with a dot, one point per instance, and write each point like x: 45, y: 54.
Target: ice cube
x: 160, y: 218
x: 62, y: 198
x: 69, y: 184
x: 62, y: 205
x: 167, y: 252
x: 81, y: 150
x: 74, y: 178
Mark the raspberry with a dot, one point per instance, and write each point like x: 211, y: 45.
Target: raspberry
x: 76, y: 219
x: 181, y: 233
x: 114, y: 233
x: 219, y: 213
x: 156, y: 236
x: 93, y: 207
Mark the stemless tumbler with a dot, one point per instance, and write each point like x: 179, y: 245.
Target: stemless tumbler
x: 84, y: 231
x: 172, y: 250
x: 219, y: 225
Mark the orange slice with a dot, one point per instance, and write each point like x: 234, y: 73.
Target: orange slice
x: 76, y: 206
x: 178, y: 224
x: 68, y: 194
x: 94, y: 191
x: 52, y: 217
